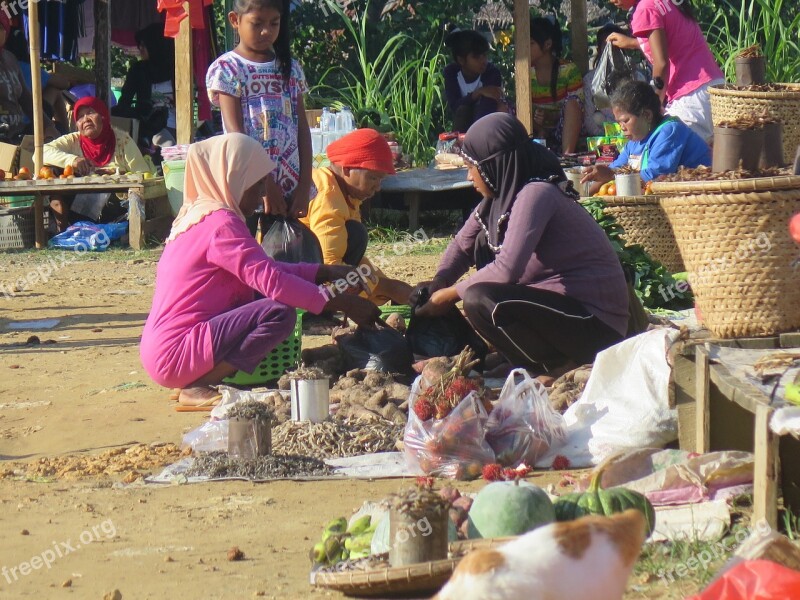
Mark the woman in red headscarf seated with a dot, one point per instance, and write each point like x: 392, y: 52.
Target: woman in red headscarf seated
x: 359, y: 161
x: 95, y: 147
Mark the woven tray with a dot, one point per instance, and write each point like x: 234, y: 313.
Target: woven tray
x: 646, y: 224
x: 729, y: 104
x: 426, y: 577
x: 759, y: 184
x: 739, y: 254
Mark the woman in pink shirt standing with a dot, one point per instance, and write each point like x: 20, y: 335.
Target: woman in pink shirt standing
x: 683, y: 65
x: 205, y: 323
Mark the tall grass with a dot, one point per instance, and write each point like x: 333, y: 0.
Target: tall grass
x: 772, y: 24
x: 402, y: 79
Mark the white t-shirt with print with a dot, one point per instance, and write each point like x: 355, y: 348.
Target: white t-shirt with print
x: 269, y: 107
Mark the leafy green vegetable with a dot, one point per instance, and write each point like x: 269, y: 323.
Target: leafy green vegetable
x: 655, y: 286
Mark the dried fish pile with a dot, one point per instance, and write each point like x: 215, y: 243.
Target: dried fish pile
x: 753, y: 51
x: 625, y: 170
x: 369, y: 563
x: 216, y: 465
x: 251, y: 410
x: 418, y: 501
x: 336, y: 438
x: 706, y: 174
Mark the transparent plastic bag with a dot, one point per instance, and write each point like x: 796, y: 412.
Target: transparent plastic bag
x: 613, y: 67
x: 523, y: 426
x: 453, y: 447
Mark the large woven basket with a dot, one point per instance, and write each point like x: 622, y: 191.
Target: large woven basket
x: 733, y: 236
x: 424, y: 578
x: 728, y: 104
x: 646, y: 224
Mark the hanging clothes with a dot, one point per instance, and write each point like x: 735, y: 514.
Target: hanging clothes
x: 60, y: 23
x: 176, y: 14
x: 131, y: 16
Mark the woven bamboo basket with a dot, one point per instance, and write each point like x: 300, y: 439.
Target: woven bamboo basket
x: 646, y: 224
x: 426, y: 577
x: 733, y: 236
x: 728, y: 104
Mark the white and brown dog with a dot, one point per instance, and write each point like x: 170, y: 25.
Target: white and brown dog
x: 590, y: 558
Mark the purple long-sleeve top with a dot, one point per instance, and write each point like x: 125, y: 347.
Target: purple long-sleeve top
x: 491, y: 77
x: 211, y: 269
x: 551, y: 243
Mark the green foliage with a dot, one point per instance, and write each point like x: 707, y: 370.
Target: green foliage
x: 650, y: 277
x: 773, y: 24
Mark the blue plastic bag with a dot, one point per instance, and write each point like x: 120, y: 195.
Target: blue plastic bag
x: 85, y: 235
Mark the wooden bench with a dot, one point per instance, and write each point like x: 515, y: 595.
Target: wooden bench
x: 149, y: 211
x: 719, y: 411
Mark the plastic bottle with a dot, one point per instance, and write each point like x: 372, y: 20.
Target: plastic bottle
x: 327, y: 120
x: 345, y: 122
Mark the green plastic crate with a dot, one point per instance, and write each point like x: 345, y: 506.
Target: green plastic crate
x: 284, y: 357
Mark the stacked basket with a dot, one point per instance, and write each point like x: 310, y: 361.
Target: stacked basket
x: 728, y: 104
x: 734, y: 240
x: 646, y: 224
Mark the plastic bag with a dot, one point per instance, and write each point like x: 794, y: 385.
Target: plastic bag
x: 523, y: 426
x: 453, y: 447
x: 84, y: 235
x: 442, y: 336
x: 754, y: 580
x: 612, y: 67
x: 383, y: 349
x: 288, y: 240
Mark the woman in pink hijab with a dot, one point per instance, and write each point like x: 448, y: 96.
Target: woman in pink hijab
x: 205, y: 323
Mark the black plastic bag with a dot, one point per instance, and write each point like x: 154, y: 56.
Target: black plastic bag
x: 613, y: 67
x: 383, y: 349
x: 288, y: 240
x: 442, y: 336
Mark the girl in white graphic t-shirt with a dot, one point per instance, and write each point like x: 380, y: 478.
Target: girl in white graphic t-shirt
x: 259, y: 89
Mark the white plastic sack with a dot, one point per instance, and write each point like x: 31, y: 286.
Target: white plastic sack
x: 625, y: 405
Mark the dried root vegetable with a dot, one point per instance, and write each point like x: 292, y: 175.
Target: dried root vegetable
x: 625, y: 170
x: 336, y: 438
x: 706, y: 174
x: 761, y: 87
x: 751, y: 121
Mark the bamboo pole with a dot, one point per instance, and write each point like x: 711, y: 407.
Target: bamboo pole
x: 184, y: 80
x: 580, y: 35
x: 522, y: 62
x: 102, y: 52
x: 36, y: 85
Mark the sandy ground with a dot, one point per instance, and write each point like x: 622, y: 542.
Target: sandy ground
x: 86, y: 393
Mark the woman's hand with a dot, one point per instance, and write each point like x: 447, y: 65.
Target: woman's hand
x: 274, y: 201
x: 598, y: 174
x: 298, y: 205
x: 362, y: 312
x: 353, y: 278
x: 622, y: 41
x: 439, y: 303
x: 431, y: 286
x: 82, y: 167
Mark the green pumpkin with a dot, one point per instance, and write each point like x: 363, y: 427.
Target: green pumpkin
x: 509, y: 508
x: 597, y: 501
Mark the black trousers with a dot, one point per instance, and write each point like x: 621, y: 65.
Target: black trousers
x: 357, y: 239
x: 536, y: 328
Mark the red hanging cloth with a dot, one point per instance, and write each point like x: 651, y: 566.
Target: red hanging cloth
x: 176, y: 14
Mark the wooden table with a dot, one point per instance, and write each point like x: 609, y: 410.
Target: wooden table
x: 149, y: 211
x: 413, y: 183
x: 719, y: 411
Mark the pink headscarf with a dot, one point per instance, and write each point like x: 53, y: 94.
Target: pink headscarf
x: 219, y: 171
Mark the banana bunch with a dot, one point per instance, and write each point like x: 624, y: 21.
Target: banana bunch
x: 340, y: 543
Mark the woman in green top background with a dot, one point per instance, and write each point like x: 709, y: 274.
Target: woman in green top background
x: 556, y: 88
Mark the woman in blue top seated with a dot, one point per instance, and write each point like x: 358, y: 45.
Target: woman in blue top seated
x: 657, y: 144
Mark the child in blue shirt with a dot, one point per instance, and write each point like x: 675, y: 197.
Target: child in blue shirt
x: 657, y: 144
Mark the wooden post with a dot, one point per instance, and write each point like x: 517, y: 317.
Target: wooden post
x: 580, y: 36
x: 522, y: 62
x: 184, y: 80
x: 102, y: 49
x: 38, y: 118
x: 703, y: 405
x: 765, y: 471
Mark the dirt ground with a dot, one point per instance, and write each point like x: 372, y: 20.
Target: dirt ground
x: 82, y: 391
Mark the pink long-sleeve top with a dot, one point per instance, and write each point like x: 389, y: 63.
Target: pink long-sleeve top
x: 551, y: 243
x: 211, y: 269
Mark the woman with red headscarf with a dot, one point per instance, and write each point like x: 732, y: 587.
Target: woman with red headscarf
x: 96, y: 146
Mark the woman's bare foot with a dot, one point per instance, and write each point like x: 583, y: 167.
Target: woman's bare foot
x: 199, y: 396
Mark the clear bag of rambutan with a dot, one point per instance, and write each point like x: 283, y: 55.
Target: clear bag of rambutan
x: 445, y: 436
